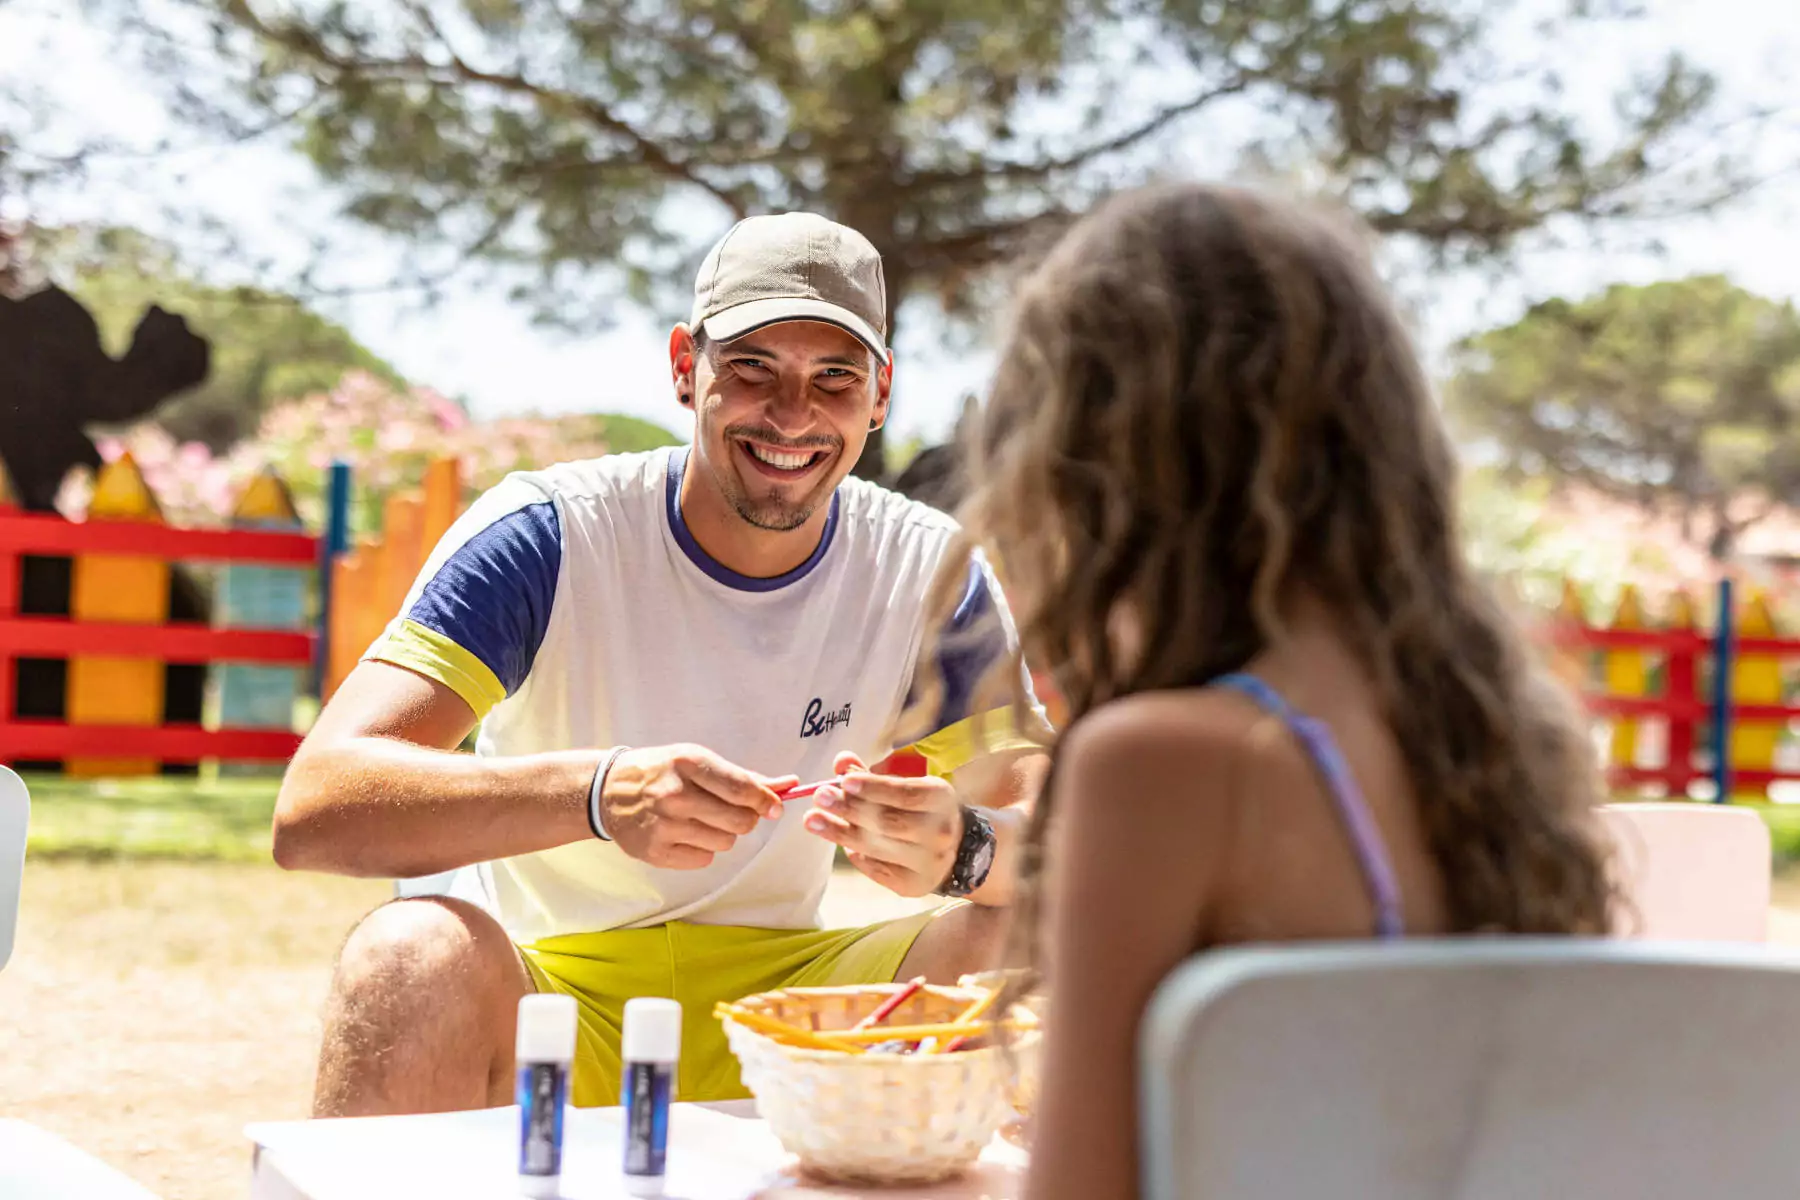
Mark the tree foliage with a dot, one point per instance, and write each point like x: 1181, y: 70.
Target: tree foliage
x: 265, y: 345
x: 1684, y: 392
x: 604, y: 142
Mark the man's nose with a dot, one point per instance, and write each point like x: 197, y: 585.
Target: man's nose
x: 790, y: 410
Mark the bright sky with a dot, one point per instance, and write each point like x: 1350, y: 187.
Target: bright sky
x: 478, y: 345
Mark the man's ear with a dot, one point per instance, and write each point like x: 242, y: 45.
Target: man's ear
x: 681, y: 363
x: 884, y: 390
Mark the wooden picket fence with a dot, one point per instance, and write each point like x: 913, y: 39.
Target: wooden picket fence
x: 369, y: 581
x: 116, y: 639
x: 1688, y: 704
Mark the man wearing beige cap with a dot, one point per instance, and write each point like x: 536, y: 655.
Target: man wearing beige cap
x: 657, y: 647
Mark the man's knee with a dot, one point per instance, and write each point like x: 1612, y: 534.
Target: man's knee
x: 425, y: 951
x: 983, y: 932
x: 963, y: 941
x: 421, y: 1012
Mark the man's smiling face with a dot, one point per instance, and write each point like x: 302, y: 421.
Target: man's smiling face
x: 782, y: 415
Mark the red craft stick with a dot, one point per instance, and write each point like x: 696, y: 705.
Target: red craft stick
x: 806, y: 789
x: 903, y: 766
x: 890, y: 1004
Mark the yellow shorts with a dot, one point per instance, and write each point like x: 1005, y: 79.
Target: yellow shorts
x: 699, y: 965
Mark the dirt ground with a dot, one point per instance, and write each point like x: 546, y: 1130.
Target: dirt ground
x: 152, y: 1010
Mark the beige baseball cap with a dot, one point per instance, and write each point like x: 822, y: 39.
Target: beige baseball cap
x: 792, y: 267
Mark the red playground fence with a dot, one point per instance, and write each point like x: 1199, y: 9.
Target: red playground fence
x: 1686, y: 710
x: 119, y: 639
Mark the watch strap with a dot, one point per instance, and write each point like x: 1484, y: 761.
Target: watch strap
x: 971, y: 868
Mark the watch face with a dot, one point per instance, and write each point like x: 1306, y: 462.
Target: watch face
x: 974, y: 858
x: 980, y: 863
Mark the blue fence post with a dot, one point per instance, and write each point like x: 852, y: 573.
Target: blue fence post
x: 336, y: 541
x: 1723, y: 650
x: 254, y: 596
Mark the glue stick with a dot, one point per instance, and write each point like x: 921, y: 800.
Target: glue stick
x: 649, y: 1047
x: 543, y: 1052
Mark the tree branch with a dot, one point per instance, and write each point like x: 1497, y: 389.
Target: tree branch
x: 1160, y: 120
x: 980, y: 245
x: 415, y: 68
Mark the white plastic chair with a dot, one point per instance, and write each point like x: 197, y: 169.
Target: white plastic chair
x: 1473, y: 1069
x: 1691, y: 872
x: 15, y: 819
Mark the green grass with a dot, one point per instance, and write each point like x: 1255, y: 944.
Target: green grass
x: 222, y: 819
x: 1783, y: 821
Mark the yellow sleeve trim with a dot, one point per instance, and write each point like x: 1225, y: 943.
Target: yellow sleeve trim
x: 953, y: 747
x: 418, y: 648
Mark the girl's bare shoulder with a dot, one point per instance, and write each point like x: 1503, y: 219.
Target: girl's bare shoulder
x: 1165, y: 747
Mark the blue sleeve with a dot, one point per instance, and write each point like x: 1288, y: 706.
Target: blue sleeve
x: 479, y: 612
x: 966, y: 648
x: 975, y: 640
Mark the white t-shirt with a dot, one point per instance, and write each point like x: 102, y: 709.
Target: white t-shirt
x: 571, y: 608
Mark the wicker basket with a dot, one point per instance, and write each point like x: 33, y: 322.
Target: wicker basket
x: 1023, y: 1080
x: 877, y: 1118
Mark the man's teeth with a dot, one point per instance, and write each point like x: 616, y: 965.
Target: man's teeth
x: 775, y: 458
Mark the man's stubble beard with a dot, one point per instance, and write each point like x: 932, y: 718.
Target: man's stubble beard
x: 774, y: 515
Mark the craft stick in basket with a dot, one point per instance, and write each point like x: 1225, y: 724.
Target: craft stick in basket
x: 891, y: 1003
x: 782, y: 1031
x: 969, y: 1016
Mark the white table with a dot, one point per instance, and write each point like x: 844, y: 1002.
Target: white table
x: 716, y: 1152
x: 35, y: 1164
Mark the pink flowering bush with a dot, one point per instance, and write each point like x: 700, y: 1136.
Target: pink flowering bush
x: 387, y: 435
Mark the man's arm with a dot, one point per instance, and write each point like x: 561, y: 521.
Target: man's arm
x: 1008, y: 807
x: 377, y: 788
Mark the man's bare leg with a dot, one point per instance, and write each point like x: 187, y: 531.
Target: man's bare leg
x: 962, y: 941
x: 422, y: 1014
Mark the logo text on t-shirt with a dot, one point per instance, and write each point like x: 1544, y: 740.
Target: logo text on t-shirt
x: 817, y: 722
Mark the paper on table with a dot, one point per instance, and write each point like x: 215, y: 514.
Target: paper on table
x: 474, y: 1155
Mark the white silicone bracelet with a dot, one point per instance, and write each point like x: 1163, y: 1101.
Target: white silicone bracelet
x: 594, y: 790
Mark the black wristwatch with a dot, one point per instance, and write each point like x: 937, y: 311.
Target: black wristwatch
x: 974, y: 857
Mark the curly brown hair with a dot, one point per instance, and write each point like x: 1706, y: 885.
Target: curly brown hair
x: 1205, y: 402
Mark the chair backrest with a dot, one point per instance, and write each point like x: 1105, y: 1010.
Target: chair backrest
x: 15, y: 819
x: 1475, y: 1068
x: 1691, y: 872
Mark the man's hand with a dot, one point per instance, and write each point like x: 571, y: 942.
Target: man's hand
x: 678, y: 806
x: 900, y: 832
